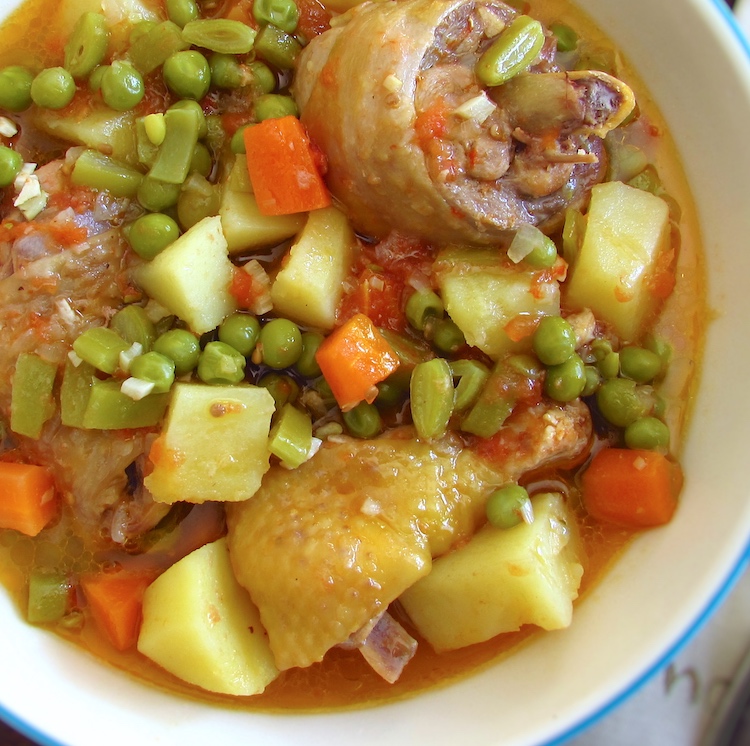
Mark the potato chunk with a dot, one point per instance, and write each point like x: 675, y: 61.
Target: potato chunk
x: 500, y: 580
x: 191, y: 277
x: 626, y: 236
x: 309, y: 286
x: 482, y: 295
x: 214, y: 445
x: 200, y: 625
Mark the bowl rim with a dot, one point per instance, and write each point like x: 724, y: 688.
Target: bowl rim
x: 742, y: 562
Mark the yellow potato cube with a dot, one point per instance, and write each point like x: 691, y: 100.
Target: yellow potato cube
x: 214, y: 445
x: 200, y: 625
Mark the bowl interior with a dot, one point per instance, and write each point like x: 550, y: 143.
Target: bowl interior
x: 665, y: 583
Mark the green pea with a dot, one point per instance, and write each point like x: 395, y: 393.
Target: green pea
x: 508, y: 506
x: 659, y: 346
x: 600, y: 348
x: 283, y: 389
x: 567, y: 39
x: 202, y: 163
x: 122, y: 86
x: 446, y: 335
x: 157, y: 196
x: 281, y: 343
x: 195, y: 107
x: 187, y: 74
x: 363, y: 421
x: 593, y: 379
x: 514, y: 50
x: 554, y: 340
x: 422, y: 305
x: 639, y: 364
x: 53, y: 88
x: 283, y: 14
x: 87, y: 45
x: 220, y: 35
x: 307, y: 365
x: 389, y: 395
x: 274, y: 106
x: 226, y: 71
x: 648, y: 433
x: 181, y: 11
x: 15, y: 88
x: 275, y: 46
x: 264, y: 78
x: 11, y: 163
x: 241, y: 331
x: 432, y: 397
x: 154, y: 368
x: 527, y: 365
x: 198, y: 199
x: 237, y: 143
x: 95, y: 79
x: 543, y: 255
x: 565, y: 381
x: 150, y: 234
x: 221, y: 364
x: 180, y: 346
x: 609, y: 366
x: 619, y: 401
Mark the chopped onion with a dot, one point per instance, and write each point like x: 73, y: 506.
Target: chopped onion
x: 477, y: 108
x: 527, y: 238
x: 8, y: 127
x: 136, y: 388
x: 262, y: 302
x: 392, y: 83
x: 127, y: 356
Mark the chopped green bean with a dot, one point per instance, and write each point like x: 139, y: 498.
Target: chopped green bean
x: 422, y: 305
x: 567, y: 39
x: 152, y: 49
x: 109, y: 409
x: 198, y: 199
x: 221, y: 364
x: 290, y: 438
x: 133, y: 325
x: 49, y: 595
x: 97, y: 171
x: 101, y: 347
x: 87, y: 46
x: 284, y: 389
x: 432, y: 396
x: 514, y: 50
x: 495, y: 401
x: 447, y: 336
x: 175, y: 154
x: 281, y: 13
x: 75, y: 392
x: 307, y: 365
x: 31, y: 402
x: 471, y: 375
x: 220, y: 35
x: 194, y: 107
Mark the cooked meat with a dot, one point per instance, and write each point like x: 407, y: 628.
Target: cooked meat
x: 402, y: 155
x: 325, y: 548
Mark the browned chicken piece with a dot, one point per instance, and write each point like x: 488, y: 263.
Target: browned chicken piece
x: 325, y: 548
x: 404, y: 153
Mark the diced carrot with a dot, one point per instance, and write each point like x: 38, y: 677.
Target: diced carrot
x: 282, y: 167
x: 116, y: 600
x: 634, y: 488
x: 354, y: 359
x: 28, y: 500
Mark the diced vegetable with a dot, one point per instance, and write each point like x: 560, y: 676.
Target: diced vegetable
x: 483, y: 296
x: 502, y: 579
x: 282, y: 168
x: 353, y: 359
x: 634, y: 488
x: 617, y: 270
x: 191, y: 277
x: 115, y: 600
x: 200, y: 625
x: 291, y: 437
x: 246, y: 227
x: 310, y: 284
x: 214, y: 445
x: 31, y: 402
x: 101, y: 347
x: 28, y: 501
x: 97, y: 171
x: 49, y: 594
x: 108, y: 408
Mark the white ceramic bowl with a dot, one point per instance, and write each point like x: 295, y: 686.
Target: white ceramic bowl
x: 695, y: 63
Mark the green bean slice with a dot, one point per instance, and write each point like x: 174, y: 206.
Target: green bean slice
x: 220, y: 35
x: 97, y: 171
x: 282, y: 388
x: 472, y: 375
x: 87, y: 45
x: 133, y: 325
x: 447, y: 336
x: 277, y: 47
x: 422, y: 305
x: 432, y: 397
x: 290, y: 438
x: 514, y: 50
